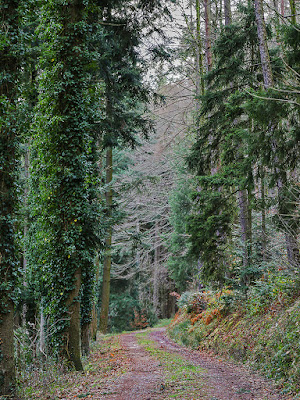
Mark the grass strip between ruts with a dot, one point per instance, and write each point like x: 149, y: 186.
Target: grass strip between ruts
x: 183, y: 380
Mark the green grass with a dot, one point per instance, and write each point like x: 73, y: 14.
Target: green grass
x: 162, y: 323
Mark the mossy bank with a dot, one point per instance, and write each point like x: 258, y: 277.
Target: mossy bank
x: 268, y: 341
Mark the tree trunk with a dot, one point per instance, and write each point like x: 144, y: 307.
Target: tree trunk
x: 26, y: 176
x: 249, y: 222
x: 85, y: 339
x: 156, y: 274
x: 30, y: 307
x: 263, y: 46
x: 292, y: 246
x: 87, y: 302
x: 199, y: 57
x: 207, y: 34
x: 94, y: 324
x: 42, y: 343
x: 7, y: 366
x: 243, y: 205
x: 292, y: 250
x: 108, y: 240
x: 94, y: 321
x: 282, y: 8
x: 263, y: 215
x: 227, y: 12
x: 9, y: 67
x: 72, y: 334
x: 293, y: 11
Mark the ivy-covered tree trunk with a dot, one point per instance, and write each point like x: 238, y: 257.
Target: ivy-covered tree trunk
x: 85, y: 339
x: 87, y: 306
x: 64, y: 171
x: 94, y: 318
x: 293, y: 11
x: 68, y: 106
x: 72, y: 331
x: 8, y: 177
x: 108, y: 239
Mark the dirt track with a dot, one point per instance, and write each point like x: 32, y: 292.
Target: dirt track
x: 147, y: 365
x: 145, y: 377
x: 224, y: 380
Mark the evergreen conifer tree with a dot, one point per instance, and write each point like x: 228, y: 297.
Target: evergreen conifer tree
x: 220, y: 154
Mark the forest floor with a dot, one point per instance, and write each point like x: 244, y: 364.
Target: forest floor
x: 147, y: 365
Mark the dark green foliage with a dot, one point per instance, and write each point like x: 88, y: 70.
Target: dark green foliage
x: 222, y: 118
x: 126, y: 311
x: 91, y: 95
x: 182, y: 267
x: 64, y: 182
x: 123, y: 302
x: 9, y: 144
x: 210, y: 224
x: 10, y: 54
x: 220, y: 155
x: 121, y: 68
x: 291, y: 38
x: 242, y: 128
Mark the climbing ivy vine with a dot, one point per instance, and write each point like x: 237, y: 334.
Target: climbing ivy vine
x: 9, y: 140
x: 64, y: 189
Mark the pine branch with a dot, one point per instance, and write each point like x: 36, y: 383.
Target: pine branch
x: 272, y: 98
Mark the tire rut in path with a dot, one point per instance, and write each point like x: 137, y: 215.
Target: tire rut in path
x: 144, y: 379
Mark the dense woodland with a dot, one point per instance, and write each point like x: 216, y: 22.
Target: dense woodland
x: 149, y: 151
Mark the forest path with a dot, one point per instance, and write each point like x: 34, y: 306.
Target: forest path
x: 147, y: 365
x: 158, y: 368
x: 143, y: 378
x: 222, y: 380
